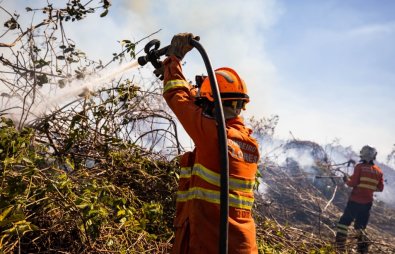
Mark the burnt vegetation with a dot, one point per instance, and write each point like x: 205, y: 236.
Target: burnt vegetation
x: 97, y: 174
x: 306, y: 204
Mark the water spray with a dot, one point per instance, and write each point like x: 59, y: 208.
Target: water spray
x: 78, y: 89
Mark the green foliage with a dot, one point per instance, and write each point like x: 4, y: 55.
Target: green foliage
x: 17, y: 165
x: 52, y: 202
x: 130, y: 48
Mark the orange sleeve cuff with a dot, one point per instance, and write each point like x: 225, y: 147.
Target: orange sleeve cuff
x: 172, y: 69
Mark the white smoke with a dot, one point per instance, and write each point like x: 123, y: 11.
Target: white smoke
x: 275, y: 151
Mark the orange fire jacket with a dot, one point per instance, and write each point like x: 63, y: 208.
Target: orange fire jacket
x: 366, y: 179
x: 198, y: 197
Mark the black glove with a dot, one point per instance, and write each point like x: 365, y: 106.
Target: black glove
x: 180, y: 45
x: 345, y: 178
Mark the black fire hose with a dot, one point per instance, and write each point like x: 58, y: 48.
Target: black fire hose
x: 223, y: 149
x: 153, y: 56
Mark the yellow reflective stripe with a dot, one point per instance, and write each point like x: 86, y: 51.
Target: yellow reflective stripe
x: 212, y: 196
x: 342, y: 226
x: 174, y: 84
x: 240, y: 201
x: 344, y: 232
x: 366, y: 186
x: 214, y: 178
x: 342, y: 229
x: 368, y: 179
x: 185, y: 172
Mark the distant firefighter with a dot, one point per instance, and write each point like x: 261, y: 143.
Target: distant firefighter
x: 366, y: 179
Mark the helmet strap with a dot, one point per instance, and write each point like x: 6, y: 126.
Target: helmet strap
x: 208, y: 108
x: 230, y: 112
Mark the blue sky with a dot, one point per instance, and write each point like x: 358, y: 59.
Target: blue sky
x: 325, y: 67
x: 335, y: 64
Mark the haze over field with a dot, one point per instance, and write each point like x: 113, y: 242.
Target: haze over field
x: 325, y: 67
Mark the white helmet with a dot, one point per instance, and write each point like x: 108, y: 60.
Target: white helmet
x: 368, y: 153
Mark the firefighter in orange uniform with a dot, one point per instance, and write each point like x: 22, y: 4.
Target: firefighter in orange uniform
x: 198, y: 196
x: 366, y: 179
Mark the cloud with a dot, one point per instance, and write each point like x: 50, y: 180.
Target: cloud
x: 373, y: 30
x: 232, y: 32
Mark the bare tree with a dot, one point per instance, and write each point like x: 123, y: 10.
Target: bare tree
x: 41, y: 53
x: 41, y: 58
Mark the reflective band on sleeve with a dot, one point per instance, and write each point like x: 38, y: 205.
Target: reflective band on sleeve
x: 367, y: 186
x: 214, y: 178
x: 185, y: 172
x: 214, y: 197
x: 172, y: 84
x: 368, y: 179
